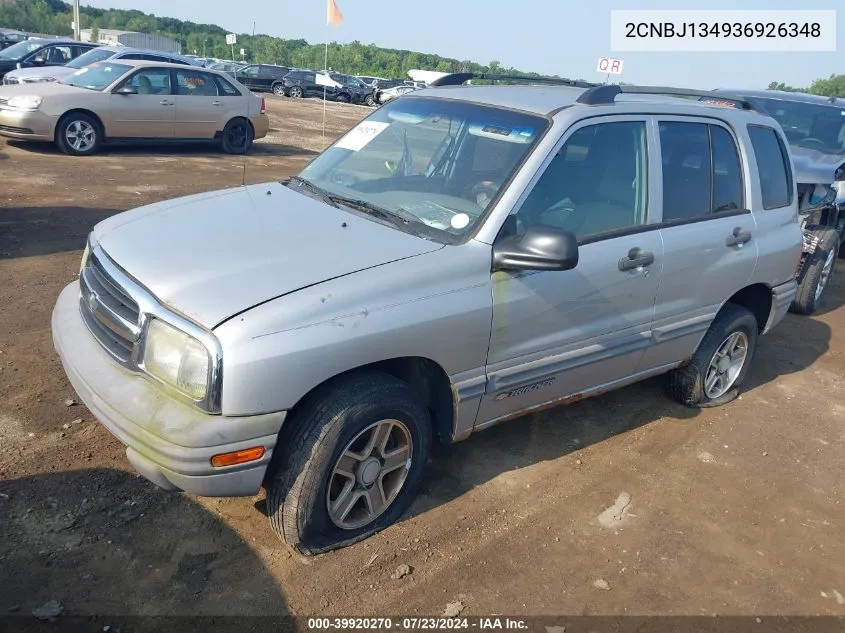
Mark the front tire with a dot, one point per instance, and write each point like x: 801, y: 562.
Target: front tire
x: 816, y: 273
x: 79, y: 134
x: 237, y: 136
x: 719, y: 366
x: 355, y: 456
x: 295, y: 92
x: 370, y: 100
x: 279, y: 90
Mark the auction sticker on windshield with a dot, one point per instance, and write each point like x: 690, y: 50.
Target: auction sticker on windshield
x: 358, y: 137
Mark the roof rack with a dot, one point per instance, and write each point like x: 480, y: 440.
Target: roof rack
x: 457, y: 79
x: 606, y: 94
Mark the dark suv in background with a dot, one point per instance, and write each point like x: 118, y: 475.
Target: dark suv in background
x: 262, y: 77
x: 45, y: 52
x: 347, y: 89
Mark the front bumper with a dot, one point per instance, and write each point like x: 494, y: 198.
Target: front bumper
x: 27, y: 125
x: 168, y: 442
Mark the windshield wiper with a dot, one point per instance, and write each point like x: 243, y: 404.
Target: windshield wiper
x: 320, y: 193
x: 396, y: 218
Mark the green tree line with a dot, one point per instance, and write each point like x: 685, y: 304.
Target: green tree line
x: 55, y: 17
x: 833, y: 86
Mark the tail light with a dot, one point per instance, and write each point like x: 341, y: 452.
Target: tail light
x: 263, y: 106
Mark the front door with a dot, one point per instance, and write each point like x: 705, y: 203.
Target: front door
x: 149, y: 113
x: 709, y: 234
x: 557, y: 334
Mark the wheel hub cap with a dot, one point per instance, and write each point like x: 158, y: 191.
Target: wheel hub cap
x: 369, y: 471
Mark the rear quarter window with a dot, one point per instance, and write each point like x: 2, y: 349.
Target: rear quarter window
x: 773, y: 167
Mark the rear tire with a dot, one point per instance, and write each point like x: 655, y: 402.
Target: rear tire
x: 816, y: 273
x: 295, y: 92
x: 237, y: 136
x: 306, y: 481
x: 718, y: 367
x: 344, y: 98
x: 369, y: 100
x: 79, y: 134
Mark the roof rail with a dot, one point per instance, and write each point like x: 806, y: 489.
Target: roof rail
x: 457, y: 79
x: 606, y: 94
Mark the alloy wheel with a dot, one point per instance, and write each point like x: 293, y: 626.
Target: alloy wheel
x: 369, y: 474
x: 726, y: 365
x: 81, y: 136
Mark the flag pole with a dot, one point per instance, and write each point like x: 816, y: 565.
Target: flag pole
x: 326, y: 69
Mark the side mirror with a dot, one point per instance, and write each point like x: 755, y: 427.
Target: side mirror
x: 540, y: 248
x: 126, y: 90
x: 39, y: 61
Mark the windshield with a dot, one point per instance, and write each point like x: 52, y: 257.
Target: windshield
x: 96, y: 76
x: 438, y: 164
x: 94, y: 55
x: 811, y: 125
x: 20, y: 50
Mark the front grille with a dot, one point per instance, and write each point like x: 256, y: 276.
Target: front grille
x: 108, y: 311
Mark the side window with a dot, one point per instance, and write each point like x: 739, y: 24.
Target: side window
x: 250, y: 71
x: 76, y: 51
x: 157, y: 58
x: 310, y: 78
x: 596, y: 184
x: 727, y: 171
x: 55, y: 55
x: 149, y: 81
x: 194, y: 83
x: 225, y: 88
x: 687, y: 170
x: 773, y: 166
x: 132, y: 56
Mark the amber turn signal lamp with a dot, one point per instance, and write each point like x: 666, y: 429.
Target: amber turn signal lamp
x: 238, y: 457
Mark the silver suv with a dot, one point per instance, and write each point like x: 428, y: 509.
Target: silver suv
x: 461, y: 257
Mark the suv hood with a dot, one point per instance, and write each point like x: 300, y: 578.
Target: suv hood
x: 213, y: 255
x: 813, y: 167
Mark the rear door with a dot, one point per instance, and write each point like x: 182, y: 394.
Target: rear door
x: 709, y: 234
x: 150, y: 113
x: 199, y: 106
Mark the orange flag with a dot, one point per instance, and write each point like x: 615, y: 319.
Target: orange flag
x: 333, y: 14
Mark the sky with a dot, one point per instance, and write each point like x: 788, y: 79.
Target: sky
x: 562, y: 37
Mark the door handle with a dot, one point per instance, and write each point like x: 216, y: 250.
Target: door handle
x: 738, y: 237
x: 637, y: 258
x: 165, y: 102
x: 217, y: 103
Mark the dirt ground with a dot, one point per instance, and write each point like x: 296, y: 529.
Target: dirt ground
x: 733, y: 510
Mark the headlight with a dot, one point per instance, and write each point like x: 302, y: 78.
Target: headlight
x: 25, y: 102
x: 177, y: 359
x: 85, y: 255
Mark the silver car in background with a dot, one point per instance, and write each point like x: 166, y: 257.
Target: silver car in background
x: 101, y: 53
